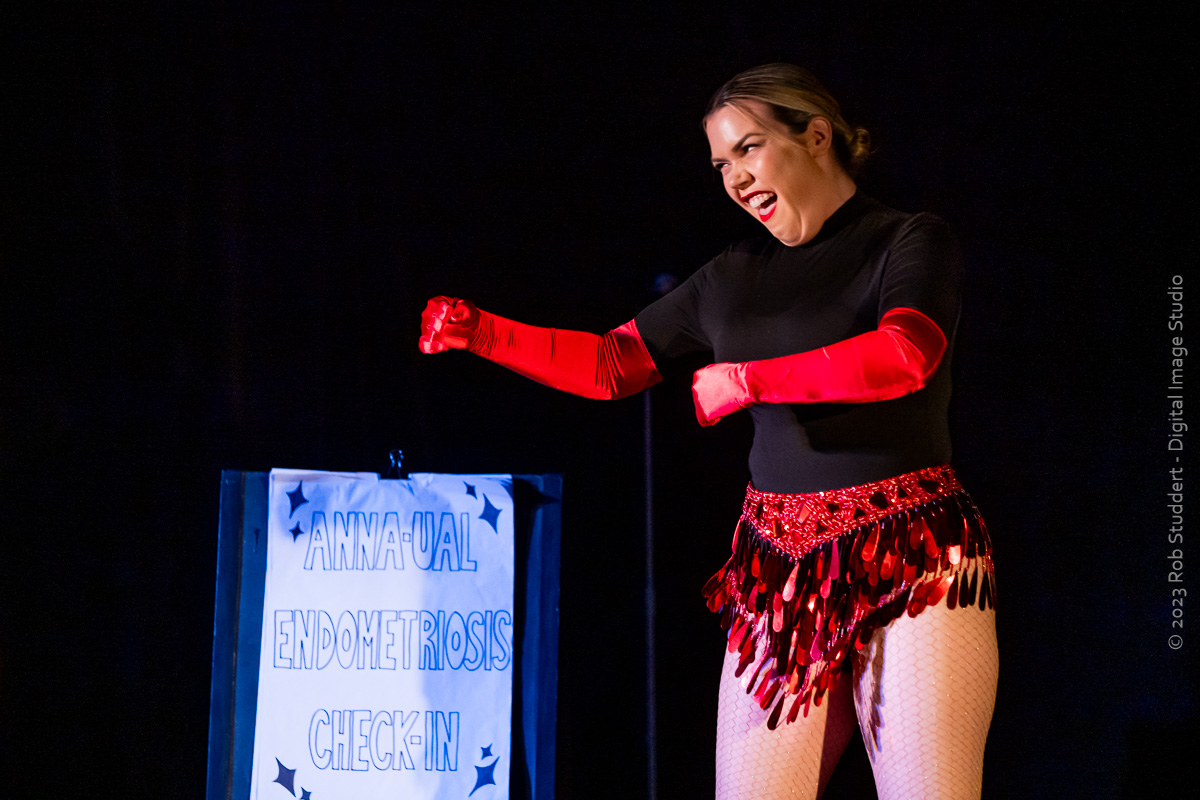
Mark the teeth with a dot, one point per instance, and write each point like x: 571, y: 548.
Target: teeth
x: 760, y: 199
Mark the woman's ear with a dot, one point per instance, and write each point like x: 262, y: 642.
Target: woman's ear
x: 818, y: 137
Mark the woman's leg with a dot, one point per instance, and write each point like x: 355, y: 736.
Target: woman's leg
x: 924, y: 688
x: 792, y: 761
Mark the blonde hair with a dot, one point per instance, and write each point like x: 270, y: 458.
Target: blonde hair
x: 795, y: 96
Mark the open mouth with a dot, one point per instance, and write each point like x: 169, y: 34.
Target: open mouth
x: 763, y: 204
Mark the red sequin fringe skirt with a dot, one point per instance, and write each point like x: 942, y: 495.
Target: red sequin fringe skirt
x: 813, y: 576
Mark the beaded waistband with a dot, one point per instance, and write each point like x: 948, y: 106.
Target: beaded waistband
x: 796, y: 523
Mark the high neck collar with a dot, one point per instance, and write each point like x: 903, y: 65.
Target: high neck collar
x: 838, y: 220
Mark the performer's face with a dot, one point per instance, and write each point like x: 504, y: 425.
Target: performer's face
x: 778, y: 176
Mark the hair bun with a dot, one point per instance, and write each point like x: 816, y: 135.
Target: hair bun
x: 858, y: 146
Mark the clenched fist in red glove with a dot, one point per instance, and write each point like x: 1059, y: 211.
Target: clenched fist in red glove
x: 718, y: 390
x: 448, y: 324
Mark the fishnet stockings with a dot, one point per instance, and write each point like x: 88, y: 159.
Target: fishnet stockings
x: 792, y: 761
x: 924, y: 689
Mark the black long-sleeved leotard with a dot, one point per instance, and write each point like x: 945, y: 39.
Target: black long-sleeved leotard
x: 763, y: 299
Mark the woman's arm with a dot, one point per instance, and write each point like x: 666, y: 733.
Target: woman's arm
x: 606, y: 367
x: 894, y: 360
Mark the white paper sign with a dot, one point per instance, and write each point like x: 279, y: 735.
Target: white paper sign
x: 387, y: 642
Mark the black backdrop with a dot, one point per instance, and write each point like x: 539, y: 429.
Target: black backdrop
x: 221, y: 226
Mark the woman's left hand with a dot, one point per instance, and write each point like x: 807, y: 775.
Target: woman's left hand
x: 719, y: 390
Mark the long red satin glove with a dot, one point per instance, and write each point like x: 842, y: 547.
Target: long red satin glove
x: 894, y: 360
x: 606, y: 367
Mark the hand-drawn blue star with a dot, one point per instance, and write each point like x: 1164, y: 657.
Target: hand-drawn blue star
x: 286, y: 778
x: 297, y: 497
x: 484, y: 776
x: 305, y: 794
x: 296, y: 531
x: 490, y: 513
x: 487, y: 752
x: 470, y: 489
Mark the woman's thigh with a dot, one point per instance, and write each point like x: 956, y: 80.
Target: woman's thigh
x: 794, y: 760
x: 924, y: 689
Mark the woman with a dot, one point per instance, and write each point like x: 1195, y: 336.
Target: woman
x: 861, y: 576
